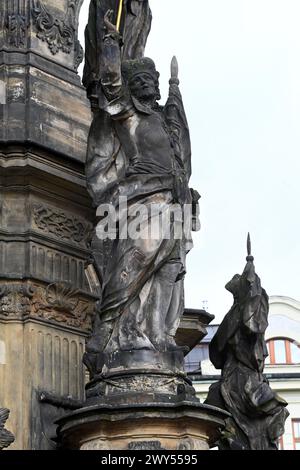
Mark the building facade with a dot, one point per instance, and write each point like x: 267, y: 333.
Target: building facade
x: 282, y: 366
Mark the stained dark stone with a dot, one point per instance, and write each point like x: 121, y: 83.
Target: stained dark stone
x: 140, y: 151
x: 145, y: 445
x: 6, y: 437
x: 135, y: 26
x: 239, y: 349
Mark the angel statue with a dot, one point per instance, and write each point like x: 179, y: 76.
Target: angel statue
x: 140, y: 151
x: 6, y: 437
x: 239, y: 349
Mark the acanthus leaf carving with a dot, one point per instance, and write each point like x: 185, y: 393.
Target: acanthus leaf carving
x: 60, y: 33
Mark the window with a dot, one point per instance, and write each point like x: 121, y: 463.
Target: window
x: 296, y: 433
x: 283, y: 351
x: 195, y: 357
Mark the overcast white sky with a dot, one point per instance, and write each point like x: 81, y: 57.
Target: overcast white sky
x: 240, y: 77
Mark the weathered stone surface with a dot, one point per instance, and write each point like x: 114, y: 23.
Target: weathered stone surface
x: 142, y: 152
x: 139, y: 396
x: 151, y: 426
x: 39, y: 55
x: 192, y: 327
x: 239, y: 349
x: 49, y: 27
x: 40, y: 356
x: 46, y: 215
x: 43, y: 108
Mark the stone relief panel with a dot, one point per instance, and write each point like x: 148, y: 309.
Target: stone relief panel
x: 17, y: 22
x: 57, y: 302
x: 53, y: 22
x: 58, y: 31
x: 15, y: 300
x: 62, y: 225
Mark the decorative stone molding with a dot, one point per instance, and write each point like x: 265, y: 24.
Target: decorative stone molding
x: 15, y: 300
x: 61, y: 225
x: 17, y: 22
x: 6, y: 437
x: 16, y: 30
x: 60, y: 33
x: 57, y: 302
x: 53, y: 22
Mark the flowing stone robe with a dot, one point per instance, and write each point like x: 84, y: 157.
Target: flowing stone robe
x: 144, y: 154
x: 239, y: 349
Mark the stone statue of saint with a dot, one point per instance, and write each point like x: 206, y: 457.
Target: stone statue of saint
x: 139, y: 150
x: 239, y: 349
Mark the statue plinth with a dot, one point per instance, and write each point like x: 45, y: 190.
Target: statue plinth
x: 130, y: 377
x: 183, y: 425
x: 142, y: 400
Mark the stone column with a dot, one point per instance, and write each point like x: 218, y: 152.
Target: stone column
x: 46, y: 217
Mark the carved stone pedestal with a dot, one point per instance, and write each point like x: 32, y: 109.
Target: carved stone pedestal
x: 142, y: 400
x: 130, y: 377
x: 152, y: 426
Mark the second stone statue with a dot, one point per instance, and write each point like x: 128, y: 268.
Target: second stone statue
x: 139, y: 151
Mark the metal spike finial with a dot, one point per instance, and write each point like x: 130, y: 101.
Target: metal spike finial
x: 248, y: 244
x: 249, y: 255
x: 174, y: 68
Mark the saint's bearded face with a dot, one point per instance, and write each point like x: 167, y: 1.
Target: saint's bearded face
x: 143, y: 87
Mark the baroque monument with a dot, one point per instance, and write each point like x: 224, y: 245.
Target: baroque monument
x: 139, y: 153
x: 96, y: 222
x: 51, y: 263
